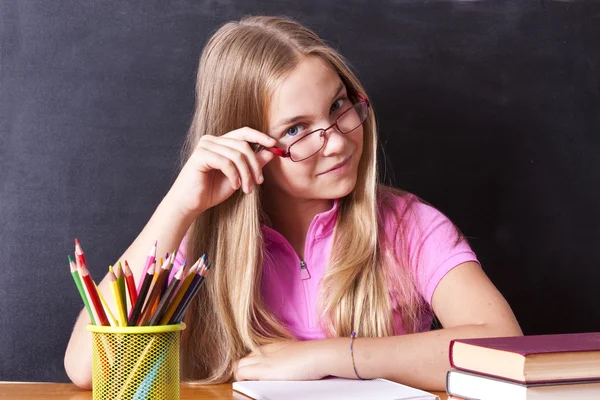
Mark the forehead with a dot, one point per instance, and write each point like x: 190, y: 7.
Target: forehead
x: 305, y: 91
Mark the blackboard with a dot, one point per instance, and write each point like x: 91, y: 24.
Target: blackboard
x: 489, y: 110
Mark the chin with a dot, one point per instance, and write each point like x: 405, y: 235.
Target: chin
x: 341, y: 188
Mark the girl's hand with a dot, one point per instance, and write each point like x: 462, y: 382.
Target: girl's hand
x: 286, y: 360
x: 218, y: 167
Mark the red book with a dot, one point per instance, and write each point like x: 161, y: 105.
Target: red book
x: 531, y: 359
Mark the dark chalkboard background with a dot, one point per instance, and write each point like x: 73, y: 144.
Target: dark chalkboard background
x: 490, y: 110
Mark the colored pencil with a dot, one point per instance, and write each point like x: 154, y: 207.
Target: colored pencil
x: 157, y: 288
x: 79, y: 255
x: 84, y: 273
x: 151, y: 258
x: 187, y: 299
x: 118, y: 270
x: 114, y: 285
x: 165, y: 298
x: 79, y: 285
x: 111, y: 318
x: 130, y: 282
x: 181, y: 291
x: 137, y: 309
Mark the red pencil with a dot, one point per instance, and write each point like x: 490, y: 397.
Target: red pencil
x: 79, y: 254
x: 130, y: 284
x: 87, y: 280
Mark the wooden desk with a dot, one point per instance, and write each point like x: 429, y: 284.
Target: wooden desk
x: 56, y: 391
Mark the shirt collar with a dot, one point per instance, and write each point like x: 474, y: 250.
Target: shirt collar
x: 321, y: 225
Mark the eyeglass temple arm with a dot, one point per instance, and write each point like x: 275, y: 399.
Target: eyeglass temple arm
x: 275, y: 150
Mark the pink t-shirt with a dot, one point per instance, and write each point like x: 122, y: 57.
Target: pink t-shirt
x: 290, y: 288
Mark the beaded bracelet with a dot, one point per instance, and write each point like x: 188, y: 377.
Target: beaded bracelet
x: 352, y: 337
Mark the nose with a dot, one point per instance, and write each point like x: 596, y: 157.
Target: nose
x: 335, y: 142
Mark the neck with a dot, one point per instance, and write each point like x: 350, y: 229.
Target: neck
x: 292, y: 216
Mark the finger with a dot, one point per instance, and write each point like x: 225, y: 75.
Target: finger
x: 244, y: 148
x: 264, y: 157
x: 238, y: 159
x: 226, y: 166
x: 253, y: 372
x: 247, y: 361
x: 253, y: 136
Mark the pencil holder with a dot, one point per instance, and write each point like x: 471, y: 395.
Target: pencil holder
x: 135, y: 362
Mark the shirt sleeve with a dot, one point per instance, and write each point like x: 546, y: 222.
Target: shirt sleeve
x: 433, y: 245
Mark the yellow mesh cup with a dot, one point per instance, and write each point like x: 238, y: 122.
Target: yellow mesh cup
x: 137, y: 362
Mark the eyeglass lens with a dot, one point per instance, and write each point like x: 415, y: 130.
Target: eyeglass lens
x: 313, y: 142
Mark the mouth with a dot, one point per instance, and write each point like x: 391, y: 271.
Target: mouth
x: 337, y: 166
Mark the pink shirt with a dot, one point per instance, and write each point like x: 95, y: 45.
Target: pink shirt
x: 290, y: 289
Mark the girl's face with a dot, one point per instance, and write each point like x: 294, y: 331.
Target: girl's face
x: 311, y: 97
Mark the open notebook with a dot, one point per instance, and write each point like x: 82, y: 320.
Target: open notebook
x: 334, y: 388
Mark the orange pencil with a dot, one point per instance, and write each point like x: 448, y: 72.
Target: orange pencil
x: 181, y: 291
x: 157, y: 290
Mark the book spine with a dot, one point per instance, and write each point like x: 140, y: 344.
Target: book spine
x: 450, y: 354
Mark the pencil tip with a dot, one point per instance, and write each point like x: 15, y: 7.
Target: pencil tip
x: 76, y: 242
x: 155, y: 243
x: 70, y: 260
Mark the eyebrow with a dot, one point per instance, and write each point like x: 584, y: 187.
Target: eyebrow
x: 299, y: 117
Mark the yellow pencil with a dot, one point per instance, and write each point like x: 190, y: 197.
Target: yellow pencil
x: 117, y: 295
x: 111, y: 318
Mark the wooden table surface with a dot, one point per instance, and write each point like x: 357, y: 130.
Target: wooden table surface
x: 55, y: 391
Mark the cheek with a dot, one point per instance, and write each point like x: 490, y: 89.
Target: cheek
x: 293, y: 178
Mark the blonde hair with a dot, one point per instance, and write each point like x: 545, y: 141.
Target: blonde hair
x: 239, y: 69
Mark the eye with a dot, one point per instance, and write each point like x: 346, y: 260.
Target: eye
x: 293, y: 131
x: 338, y: 104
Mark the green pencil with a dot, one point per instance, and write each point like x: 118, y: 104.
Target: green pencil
x: 77, y: 280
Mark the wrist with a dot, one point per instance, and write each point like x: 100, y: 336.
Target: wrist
x: 174, y: 211
x: 333, y: 358
x: 172, y: 206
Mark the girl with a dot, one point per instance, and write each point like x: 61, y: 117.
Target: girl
x: 280, y: 189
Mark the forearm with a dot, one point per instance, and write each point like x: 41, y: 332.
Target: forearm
x: 167, y: 226
x: 420, y: 360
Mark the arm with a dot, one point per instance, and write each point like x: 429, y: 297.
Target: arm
x: 168, y: 226
x: 216, y: 169
x: 465, y: 301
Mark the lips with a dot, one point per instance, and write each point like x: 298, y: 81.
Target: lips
x: 336, y: 166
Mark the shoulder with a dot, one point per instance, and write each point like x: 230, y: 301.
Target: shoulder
x: 405, y: 214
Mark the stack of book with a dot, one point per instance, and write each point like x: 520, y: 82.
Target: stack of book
x: 544, y: 367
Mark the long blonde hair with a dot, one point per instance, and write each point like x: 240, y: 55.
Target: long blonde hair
x: 240, y: 67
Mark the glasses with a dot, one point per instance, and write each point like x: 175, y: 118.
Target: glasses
x: 311, y: 143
